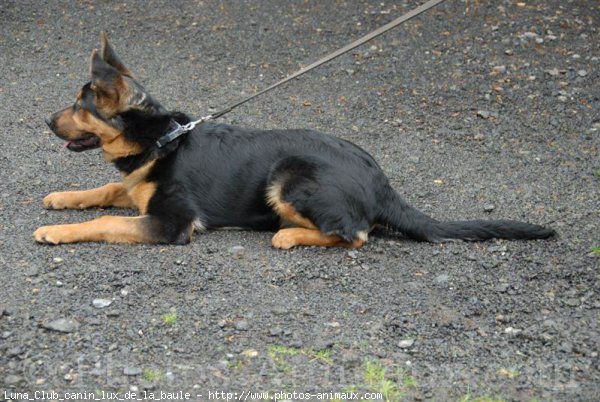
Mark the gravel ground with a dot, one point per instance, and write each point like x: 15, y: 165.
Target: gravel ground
x: 474, y: 112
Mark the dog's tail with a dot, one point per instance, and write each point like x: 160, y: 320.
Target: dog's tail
x: 398, y: 215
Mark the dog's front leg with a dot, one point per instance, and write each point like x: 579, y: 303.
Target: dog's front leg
x: 109, y: 195
x: 110, y: 229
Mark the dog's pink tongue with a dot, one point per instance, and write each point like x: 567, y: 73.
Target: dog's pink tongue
x: 67, y: 144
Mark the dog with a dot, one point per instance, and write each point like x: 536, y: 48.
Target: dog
x: 313, y: 189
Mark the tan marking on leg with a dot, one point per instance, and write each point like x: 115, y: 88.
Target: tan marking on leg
x: 291, y: 237
x: 286, y: 210
x: 139, y: 190
x: 109, y: 195
x: 141, y: 195
x: 134, y: 178
x: 110, y: 229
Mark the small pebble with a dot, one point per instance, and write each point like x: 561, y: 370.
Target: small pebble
x: 250, y: 353
x: 65, y: 325
x: 237, y: 251
x: 101, y: 303
x: 484, y: 114
x: 406, y: 343
x: 489, y: 207
x: 499, y: 69
x: 241, y: 325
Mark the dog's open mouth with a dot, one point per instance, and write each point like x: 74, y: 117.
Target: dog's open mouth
x: 83, y: 144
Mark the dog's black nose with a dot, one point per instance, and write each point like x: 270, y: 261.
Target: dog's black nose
x: 49, y: 122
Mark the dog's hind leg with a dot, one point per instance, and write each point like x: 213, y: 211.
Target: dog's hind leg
x: 109, y: 195
x: 306, y: 234
x: 115, y: 229
x: 323, y: 208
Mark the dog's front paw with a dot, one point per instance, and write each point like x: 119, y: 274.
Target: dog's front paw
x: 57, y: 201
x: 284, y: 239
x: 55, y: 234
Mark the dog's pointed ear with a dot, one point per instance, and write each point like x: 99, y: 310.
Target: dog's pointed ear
x: 101, y: 70
x: 109, y: 56
x: 104, y: 76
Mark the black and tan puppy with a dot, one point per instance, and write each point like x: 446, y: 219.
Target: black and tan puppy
x: 314, y: 189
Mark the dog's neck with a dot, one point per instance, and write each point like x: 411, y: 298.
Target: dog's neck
x: 145, y: 130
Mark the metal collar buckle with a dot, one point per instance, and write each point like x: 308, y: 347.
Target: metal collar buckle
x: 178, y: 130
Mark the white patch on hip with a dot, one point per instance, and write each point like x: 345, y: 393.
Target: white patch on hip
x: 198, y: 225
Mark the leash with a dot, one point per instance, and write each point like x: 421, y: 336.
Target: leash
x: 180, y: 130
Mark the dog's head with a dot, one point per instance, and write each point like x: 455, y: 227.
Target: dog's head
x: 97, y: 118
